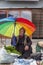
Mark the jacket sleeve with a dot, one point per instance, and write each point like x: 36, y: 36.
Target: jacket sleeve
x: 13, y: 41
x: 29, y: 42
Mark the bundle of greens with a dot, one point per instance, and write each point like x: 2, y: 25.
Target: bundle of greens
x: 11, y: 49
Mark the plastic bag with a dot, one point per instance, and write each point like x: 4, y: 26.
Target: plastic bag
x: 25, y: 62
x: 5, y: 57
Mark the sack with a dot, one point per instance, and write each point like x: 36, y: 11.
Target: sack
x: 5, y: 57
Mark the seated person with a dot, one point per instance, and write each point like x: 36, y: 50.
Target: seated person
x: 24, y: 44
x: 39, y: 46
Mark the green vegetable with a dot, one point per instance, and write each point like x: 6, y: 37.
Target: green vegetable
x: 11, y: 49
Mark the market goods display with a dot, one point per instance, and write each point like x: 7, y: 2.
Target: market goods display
x: 12, y: 49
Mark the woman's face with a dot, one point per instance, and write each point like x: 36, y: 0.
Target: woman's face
x: 21, y: 32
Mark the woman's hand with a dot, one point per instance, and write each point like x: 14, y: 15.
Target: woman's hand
x: 26, y: 47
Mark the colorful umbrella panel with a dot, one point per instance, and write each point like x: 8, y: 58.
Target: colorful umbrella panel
x: 9, y: 27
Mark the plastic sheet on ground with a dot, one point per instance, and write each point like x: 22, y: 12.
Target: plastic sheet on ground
x: 24, y: 62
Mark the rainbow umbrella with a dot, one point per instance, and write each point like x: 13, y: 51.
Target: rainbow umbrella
x: 11, y: 25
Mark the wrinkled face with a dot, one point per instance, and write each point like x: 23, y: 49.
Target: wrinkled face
x: 21, y: 32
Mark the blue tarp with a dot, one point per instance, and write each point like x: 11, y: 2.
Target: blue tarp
x: 8, y: 19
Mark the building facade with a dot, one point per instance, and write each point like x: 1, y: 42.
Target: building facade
x: 21, y: 4
x: 36, y: 8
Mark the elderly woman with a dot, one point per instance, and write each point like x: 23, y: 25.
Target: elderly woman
x: 24, y: 44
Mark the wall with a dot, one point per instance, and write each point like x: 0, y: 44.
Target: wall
x: 4, y: 4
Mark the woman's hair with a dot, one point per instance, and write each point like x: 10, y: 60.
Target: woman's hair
x: 22, y: 29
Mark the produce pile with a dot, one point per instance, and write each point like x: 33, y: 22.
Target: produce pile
x: 11, y: 49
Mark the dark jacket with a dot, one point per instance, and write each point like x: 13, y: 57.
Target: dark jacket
x: 20, y: 44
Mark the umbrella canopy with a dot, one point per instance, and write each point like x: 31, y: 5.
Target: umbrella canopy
x: 12, y: 25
